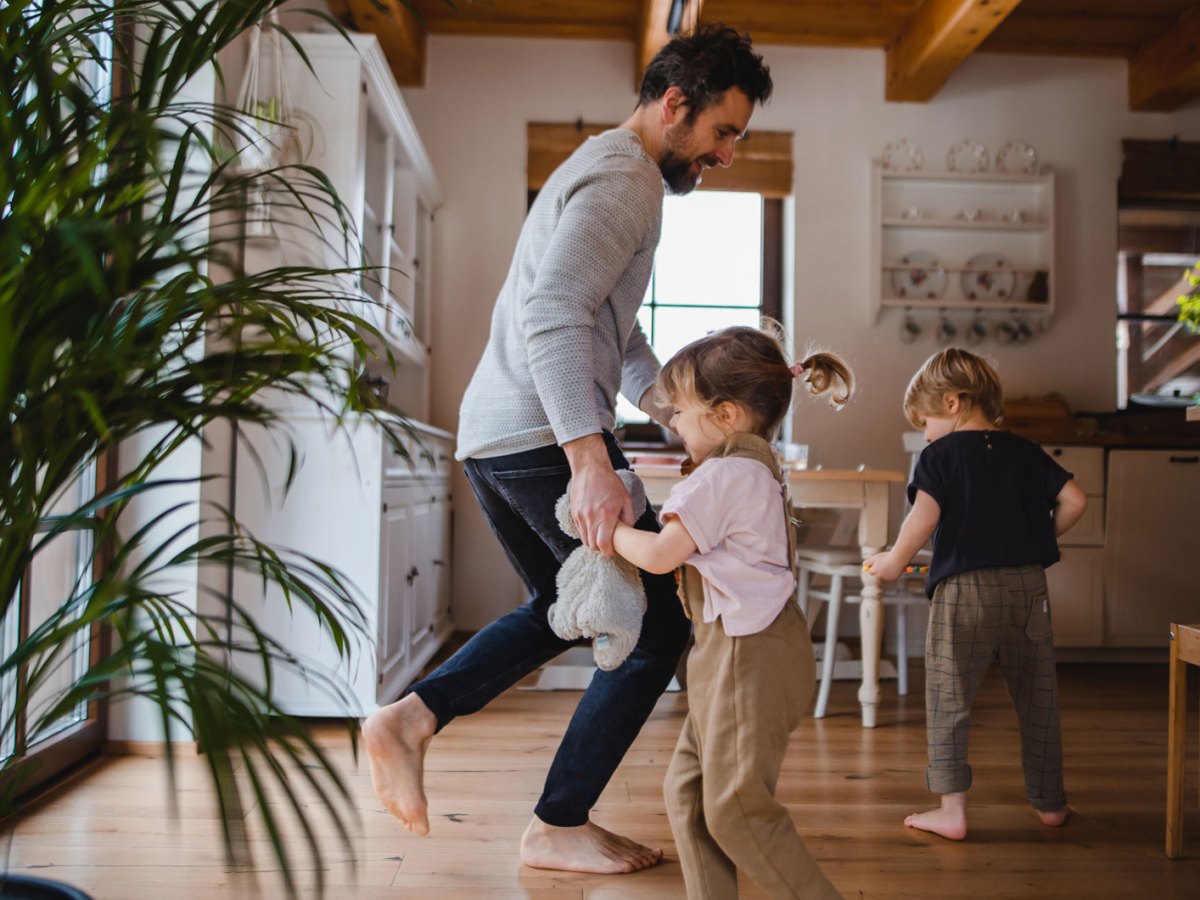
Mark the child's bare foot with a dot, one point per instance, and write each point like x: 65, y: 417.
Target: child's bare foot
x: 1055, y: 818
x: 949, y: 820
x: 396, y: 738
x: 585, y: 848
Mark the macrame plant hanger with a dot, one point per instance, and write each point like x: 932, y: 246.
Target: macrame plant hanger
x: 265, y: 122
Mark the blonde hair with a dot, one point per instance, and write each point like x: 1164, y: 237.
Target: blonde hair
x: 958, y: 372
x: 749, y: 367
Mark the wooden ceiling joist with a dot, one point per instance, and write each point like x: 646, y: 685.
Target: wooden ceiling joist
x: 1165, y: 72
x: 935, y: 41
x: 401, y: 35
x: 652, y: 31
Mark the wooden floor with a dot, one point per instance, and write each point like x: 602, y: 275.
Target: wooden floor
x: 111, y: 834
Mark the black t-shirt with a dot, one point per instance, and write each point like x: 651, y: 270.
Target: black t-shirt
x: 996, y: 491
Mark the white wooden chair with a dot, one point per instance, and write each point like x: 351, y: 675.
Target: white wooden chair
x: 843, y: 566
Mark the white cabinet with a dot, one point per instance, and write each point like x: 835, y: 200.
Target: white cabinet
x: 953, y: 241
x: 352, y: 124
x: 1076, y: 582
x: 380, y: 520
x: 355, y: 504
x: 1150, y: 545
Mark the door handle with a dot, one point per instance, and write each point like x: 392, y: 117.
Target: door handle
x: 412, y: 574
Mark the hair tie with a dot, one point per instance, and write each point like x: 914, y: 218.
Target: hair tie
x: 797, y: 369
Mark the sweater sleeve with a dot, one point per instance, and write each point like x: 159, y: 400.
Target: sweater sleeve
x: 604, y: 222
x: 641, y: 366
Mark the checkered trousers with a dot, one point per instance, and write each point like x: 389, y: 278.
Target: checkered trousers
x: 977, y: 618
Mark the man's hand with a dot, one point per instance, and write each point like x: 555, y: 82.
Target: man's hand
x: 598, y: 496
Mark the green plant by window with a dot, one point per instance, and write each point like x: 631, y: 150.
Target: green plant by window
x: 1189, y: 302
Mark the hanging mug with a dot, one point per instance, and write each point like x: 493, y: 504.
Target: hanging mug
x: 977, y: 330
x: 910, y: 328
x: 1006, y: 331
x: 947, y: 331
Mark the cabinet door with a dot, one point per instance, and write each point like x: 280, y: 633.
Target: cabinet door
x: 429, y: 564
x: 1151, y: 527
x: 395, y: 585
x: 1076, y: 585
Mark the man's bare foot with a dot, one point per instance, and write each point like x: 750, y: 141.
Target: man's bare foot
x: 1055, y: 818
x: 585, y: 848
x: 949, y: 820
x: 396, y: 738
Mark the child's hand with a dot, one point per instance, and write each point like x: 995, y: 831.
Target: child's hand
x: 881, y: 565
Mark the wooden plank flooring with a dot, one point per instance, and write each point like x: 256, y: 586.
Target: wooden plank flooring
x: 111, y: 832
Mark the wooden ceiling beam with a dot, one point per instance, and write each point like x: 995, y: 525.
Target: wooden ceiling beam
x: 652, y: 31
x: 935, y: 41
x: 401, y: 35
x: 1164, y: 73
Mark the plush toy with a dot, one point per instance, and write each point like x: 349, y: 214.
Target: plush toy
x: 600, y: 597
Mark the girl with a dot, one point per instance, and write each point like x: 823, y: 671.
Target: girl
x: 994, y: 504
x: 750, y: 675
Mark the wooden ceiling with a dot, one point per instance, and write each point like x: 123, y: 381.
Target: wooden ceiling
x: 925, y: 40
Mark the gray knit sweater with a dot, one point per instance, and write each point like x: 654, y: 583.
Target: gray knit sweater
x: 565, y: 336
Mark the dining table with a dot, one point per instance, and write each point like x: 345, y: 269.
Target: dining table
x: 864, y: 489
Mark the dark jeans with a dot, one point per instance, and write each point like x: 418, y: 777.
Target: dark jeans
x: 518, y: 493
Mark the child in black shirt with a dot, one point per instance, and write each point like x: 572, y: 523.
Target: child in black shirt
x: 994, y: 504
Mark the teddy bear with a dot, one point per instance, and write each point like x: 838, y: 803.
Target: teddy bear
x: 600, y: 597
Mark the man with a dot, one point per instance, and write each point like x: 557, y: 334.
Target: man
x: 539, y: 412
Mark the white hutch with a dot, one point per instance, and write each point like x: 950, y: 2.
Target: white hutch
x: 355, y: 503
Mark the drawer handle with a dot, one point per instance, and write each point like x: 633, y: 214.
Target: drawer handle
x: 1190, y: 460
x: 439, y: 562
x: 1058, y: 451
x: 413, y: 573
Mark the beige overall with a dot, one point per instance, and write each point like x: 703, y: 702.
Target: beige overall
x: 745, y: 696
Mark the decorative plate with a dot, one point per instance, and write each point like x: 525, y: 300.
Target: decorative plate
x: 988, y: 276
x: 902, y: 156
x: 1017, y: 158
x: 967, y: 156
x: 923, y: 276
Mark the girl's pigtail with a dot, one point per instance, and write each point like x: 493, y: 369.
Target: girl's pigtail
x: 823, y: 372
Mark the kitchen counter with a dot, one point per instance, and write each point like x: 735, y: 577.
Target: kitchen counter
x: 1148, y: 429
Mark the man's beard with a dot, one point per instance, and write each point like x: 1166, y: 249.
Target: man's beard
x: 676, y: 167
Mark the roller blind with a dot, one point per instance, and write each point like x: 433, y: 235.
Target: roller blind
x: 762, y: 161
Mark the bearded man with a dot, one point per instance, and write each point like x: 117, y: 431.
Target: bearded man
x: 539, y: 413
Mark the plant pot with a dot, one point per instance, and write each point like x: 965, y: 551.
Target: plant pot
x: 27, y: 887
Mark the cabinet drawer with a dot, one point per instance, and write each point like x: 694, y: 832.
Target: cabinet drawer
x: 1089, y: 530
x: 1085, y: 463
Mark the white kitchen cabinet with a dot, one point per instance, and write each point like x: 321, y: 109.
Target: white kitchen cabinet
x: 1076, y: 582
x: 356, y: 504
x: 351, y: 122
x: 954, y: 241
x: 383, y: 521
x: 1150, y: 545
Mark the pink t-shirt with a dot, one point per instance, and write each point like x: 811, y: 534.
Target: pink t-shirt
x: 732, y: 508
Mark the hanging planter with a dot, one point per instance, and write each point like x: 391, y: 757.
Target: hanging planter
x: 264, y: 126
x: 264, y: 106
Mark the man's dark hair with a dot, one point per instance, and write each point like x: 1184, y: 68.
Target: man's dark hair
x: 704, y: 65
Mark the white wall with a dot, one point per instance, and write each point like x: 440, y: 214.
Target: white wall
x: 481, y: 92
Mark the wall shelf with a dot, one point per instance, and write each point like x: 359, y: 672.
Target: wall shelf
x: 952, y: 224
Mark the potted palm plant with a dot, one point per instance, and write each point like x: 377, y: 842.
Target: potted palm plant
x: 124, y: 315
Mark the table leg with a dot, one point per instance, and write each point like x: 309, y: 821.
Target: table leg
x: 1175, y: 749
x: 870, y: 620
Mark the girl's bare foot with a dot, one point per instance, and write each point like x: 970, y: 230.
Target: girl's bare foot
x: 585, y: 848
x: 1055, y: 818
x: 396, y: 738
x: 949, y: 820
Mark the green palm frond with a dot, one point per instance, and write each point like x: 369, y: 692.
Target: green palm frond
x: 124, y: 313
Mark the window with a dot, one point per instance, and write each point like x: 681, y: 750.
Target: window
x: 717, y: 265
x: 65, y: 565
x: 1158, y: 358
